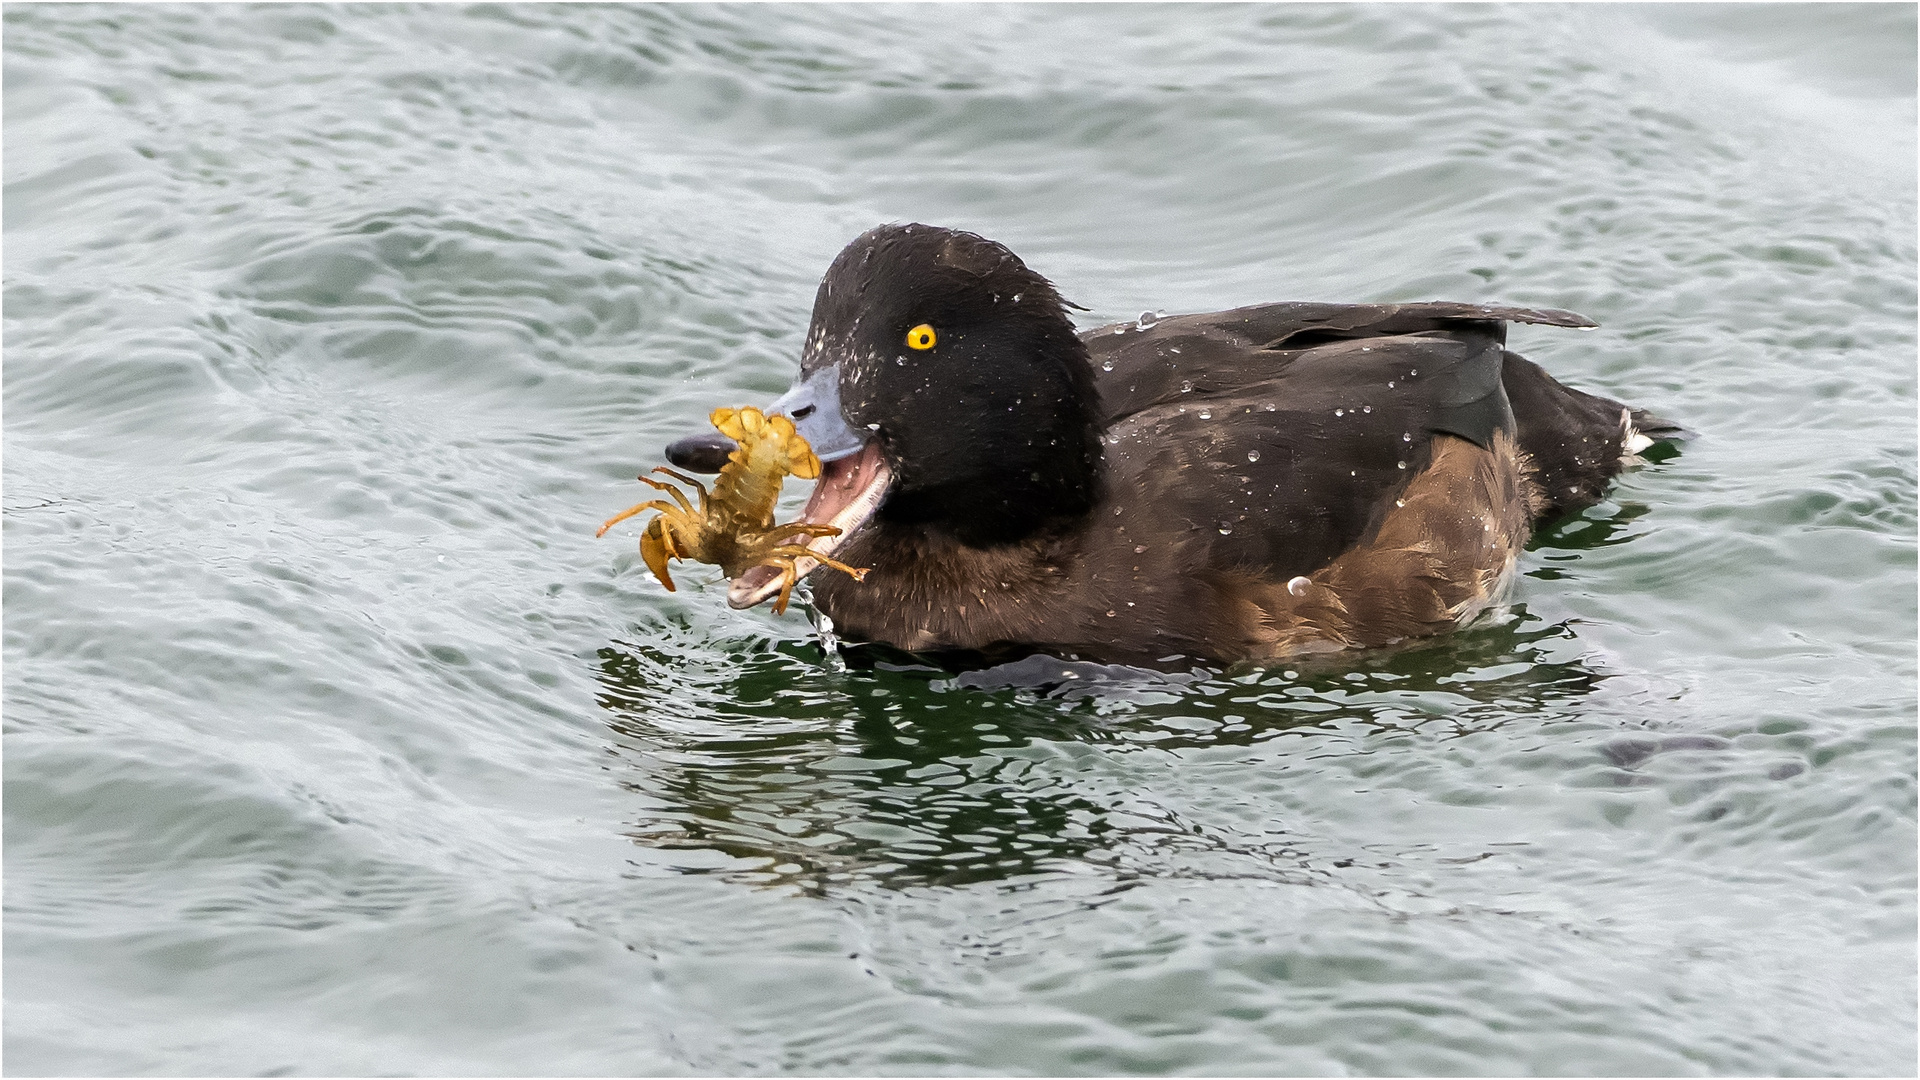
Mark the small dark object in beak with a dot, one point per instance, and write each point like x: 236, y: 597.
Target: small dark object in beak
x: 700, y: 453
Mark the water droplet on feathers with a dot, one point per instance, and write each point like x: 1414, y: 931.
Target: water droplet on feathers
x: 1186, y: 386
x: 1298, y: 586
x: 1226, y: 528
x: 1253, y: 455
x: 1106, y: 365
x: 1146, y: 320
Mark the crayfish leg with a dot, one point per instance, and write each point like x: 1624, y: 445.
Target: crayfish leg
x: 789, y: 577
x: 651, y: 504
x: 683, y: 478
x: 678, y: 495
x: 784, y: 555
x: 806, y: 527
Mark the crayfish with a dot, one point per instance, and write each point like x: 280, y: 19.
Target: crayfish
x: 733, y: 527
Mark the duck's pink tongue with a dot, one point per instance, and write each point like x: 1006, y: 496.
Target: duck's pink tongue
x: 847, y: 494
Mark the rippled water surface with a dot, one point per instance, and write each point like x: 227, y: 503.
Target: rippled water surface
x: 336, y: 743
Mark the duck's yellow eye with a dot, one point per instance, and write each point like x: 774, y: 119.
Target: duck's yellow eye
x: 921, y: 337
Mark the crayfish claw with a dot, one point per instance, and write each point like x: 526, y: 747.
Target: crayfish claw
x: 656, y: 547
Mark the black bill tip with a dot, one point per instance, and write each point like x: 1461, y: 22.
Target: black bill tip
x: 700, y: 453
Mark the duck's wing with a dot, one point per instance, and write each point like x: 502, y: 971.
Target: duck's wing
x: 1223, y: 350
x: 1576, y: 442
x: 1275, y: 461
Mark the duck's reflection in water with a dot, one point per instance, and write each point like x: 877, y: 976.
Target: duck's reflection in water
x: 763, y: 764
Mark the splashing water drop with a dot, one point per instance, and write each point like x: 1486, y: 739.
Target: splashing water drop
x: 823, y: 628
x: 1268, y: 407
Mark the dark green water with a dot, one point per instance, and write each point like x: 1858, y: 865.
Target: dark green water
x: 335, y: 743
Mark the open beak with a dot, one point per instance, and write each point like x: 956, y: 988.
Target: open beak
x: 854, y: 479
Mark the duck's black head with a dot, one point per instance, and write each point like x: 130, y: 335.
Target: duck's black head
x: 945, y: 388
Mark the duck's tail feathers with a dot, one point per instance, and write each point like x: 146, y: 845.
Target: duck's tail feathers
x: 1657, y: 429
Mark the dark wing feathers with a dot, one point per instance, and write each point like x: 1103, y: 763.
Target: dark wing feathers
x: 1291, y: 324
x: 1297, y: 325
x: 1191, y: 397
x: 1276, y: 463
x: 1210, y: 353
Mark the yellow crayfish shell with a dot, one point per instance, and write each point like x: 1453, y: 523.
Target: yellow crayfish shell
x: 750, y: 425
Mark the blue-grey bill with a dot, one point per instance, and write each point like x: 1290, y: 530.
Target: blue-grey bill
x: 813, y: 404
